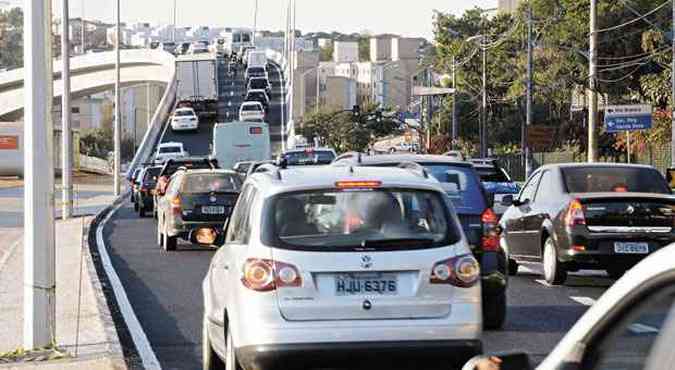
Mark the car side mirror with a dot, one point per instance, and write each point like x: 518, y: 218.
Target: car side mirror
x: 507, y: 200
x: 512, y: 361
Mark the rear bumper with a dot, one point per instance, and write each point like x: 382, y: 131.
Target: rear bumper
x: 182, y: 229
x: 599, y: 249
x: 285, y: 356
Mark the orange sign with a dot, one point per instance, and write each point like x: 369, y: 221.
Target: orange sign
x: 9, y: 142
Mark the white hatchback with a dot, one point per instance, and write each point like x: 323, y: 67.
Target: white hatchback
x: 251, y: 110
x: 184, y: 119
x: 321, y: 266
x: 170, y: 150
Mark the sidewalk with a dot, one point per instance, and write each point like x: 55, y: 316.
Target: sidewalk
x: 97, y: 346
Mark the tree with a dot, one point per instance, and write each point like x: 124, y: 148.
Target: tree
x: 343, y: 131
x: 326, y: 53
x: 364, y: 47
x: 11, y: 42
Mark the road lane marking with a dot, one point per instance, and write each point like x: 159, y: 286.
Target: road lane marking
x: 638, y: 328
x: 231, y: 93
x: 141, y: 341
x: 544, y: 283
x: 586, y: 301
x: 229, y: 103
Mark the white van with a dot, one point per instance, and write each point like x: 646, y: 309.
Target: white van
x: 241, y: 141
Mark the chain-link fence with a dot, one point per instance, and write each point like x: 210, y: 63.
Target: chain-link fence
x: 514, y: 164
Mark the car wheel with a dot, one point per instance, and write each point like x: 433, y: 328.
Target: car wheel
x: 170, y: 242
x: 211, y: 361
x: 494, y: 311
x: 554, y: 271
x: 231, y: 362
x: 513, y: 267
x: 616, y: 272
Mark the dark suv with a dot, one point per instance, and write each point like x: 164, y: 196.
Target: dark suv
x: 143, y: 192
x: 588, y: 216
x: 196, y: 201
x: 474, y: 209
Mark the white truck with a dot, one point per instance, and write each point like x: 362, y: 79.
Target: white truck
x: 235, y: 142
x: 257, y: 58
x: 197, y: 79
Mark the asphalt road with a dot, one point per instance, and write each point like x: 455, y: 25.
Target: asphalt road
x: 232, y: 88
x: 164, y: 289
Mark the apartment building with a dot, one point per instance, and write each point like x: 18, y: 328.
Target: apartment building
x: 345, y: 52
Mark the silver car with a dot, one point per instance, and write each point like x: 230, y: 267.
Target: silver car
x: 325, y: 265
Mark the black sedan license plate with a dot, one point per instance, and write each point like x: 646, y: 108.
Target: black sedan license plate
x: 357, y: 284
x: 213, y: 210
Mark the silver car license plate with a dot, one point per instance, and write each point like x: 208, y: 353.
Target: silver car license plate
x: 631, y: 248
x: 213, y: 210
x: 366, y: 284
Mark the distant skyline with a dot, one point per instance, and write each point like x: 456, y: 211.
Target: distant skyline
x: 347, y: 16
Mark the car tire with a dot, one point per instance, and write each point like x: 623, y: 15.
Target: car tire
x: 169, y: 242
x: 211, y: 360
x: 616, y: 272
x: 513, y: 267
x: 494, y: 311
x: 231, y: 362
x: 554, y: 270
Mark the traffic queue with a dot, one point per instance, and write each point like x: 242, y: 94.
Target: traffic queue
x: 358, y: 257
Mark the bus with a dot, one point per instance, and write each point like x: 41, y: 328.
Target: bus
x: 238, y: 141
x: 234, y: 39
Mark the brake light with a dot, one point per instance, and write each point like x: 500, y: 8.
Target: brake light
x: 461, y: 271
x: 264, y: 275
x: 176, y: 205
x: 358, y: 184
x: 575, y: 214
x: 491, y: 231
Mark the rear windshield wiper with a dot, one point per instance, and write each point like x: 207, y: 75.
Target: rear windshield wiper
x: 401, y: 243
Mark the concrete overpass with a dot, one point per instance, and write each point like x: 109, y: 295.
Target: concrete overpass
x: 90, y: 74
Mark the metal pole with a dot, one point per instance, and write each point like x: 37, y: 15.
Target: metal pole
x: 66, y: 134
x: 255, y: 21
x: 83, y: 28
x: 39, y: 262
x: 174, y: 22
x: 528, y: 120
x: 593, y: 95
x: 483, y: 138
x: 118, y: 110
x: 454, y: 104
x: 672, y: 101
x: 628, y: 146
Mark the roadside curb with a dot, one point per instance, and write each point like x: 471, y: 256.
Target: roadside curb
x: 118, y: 335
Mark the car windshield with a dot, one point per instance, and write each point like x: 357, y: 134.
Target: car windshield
x: 496, y: 181
x: 363, y: 219
x: 258, y: 83
x: 309, y: 157
x: 212, y: 183
x: 256, y: 96
x: 150, y: 176
x: 256, y: 71
x: 251, y: 108
x: 614, y: 179
x: 184, y: 113
x: 170, y: 149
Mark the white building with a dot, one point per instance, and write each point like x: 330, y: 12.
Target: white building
x: 346, y: 52
x: 125, y: 34
x: 380, y: 48
x: 324, y: 43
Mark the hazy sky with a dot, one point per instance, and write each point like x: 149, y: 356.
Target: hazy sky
x: 409, y: 18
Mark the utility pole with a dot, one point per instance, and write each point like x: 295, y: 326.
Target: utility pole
x: 39, y: 263
x: 66, y: 134
x: 118, y: 110
x: 483, y: 138
x: 255, y: 22
x: 592, y: 85
x: 318, y: 88
x: 174, y: 21
x: 672, y: 101
x: 528, y: 122
x: 83, y: 28
x: 454, y: 104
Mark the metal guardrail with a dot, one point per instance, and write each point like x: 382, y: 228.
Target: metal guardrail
x: 159, y: 119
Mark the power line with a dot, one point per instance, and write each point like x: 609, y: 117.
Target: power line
x: 621, y: 78
x: 634, y: 19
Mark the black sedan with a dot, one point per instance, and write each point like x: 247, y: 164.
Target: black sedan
x: 588, y: 216
x: 196, y: 205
